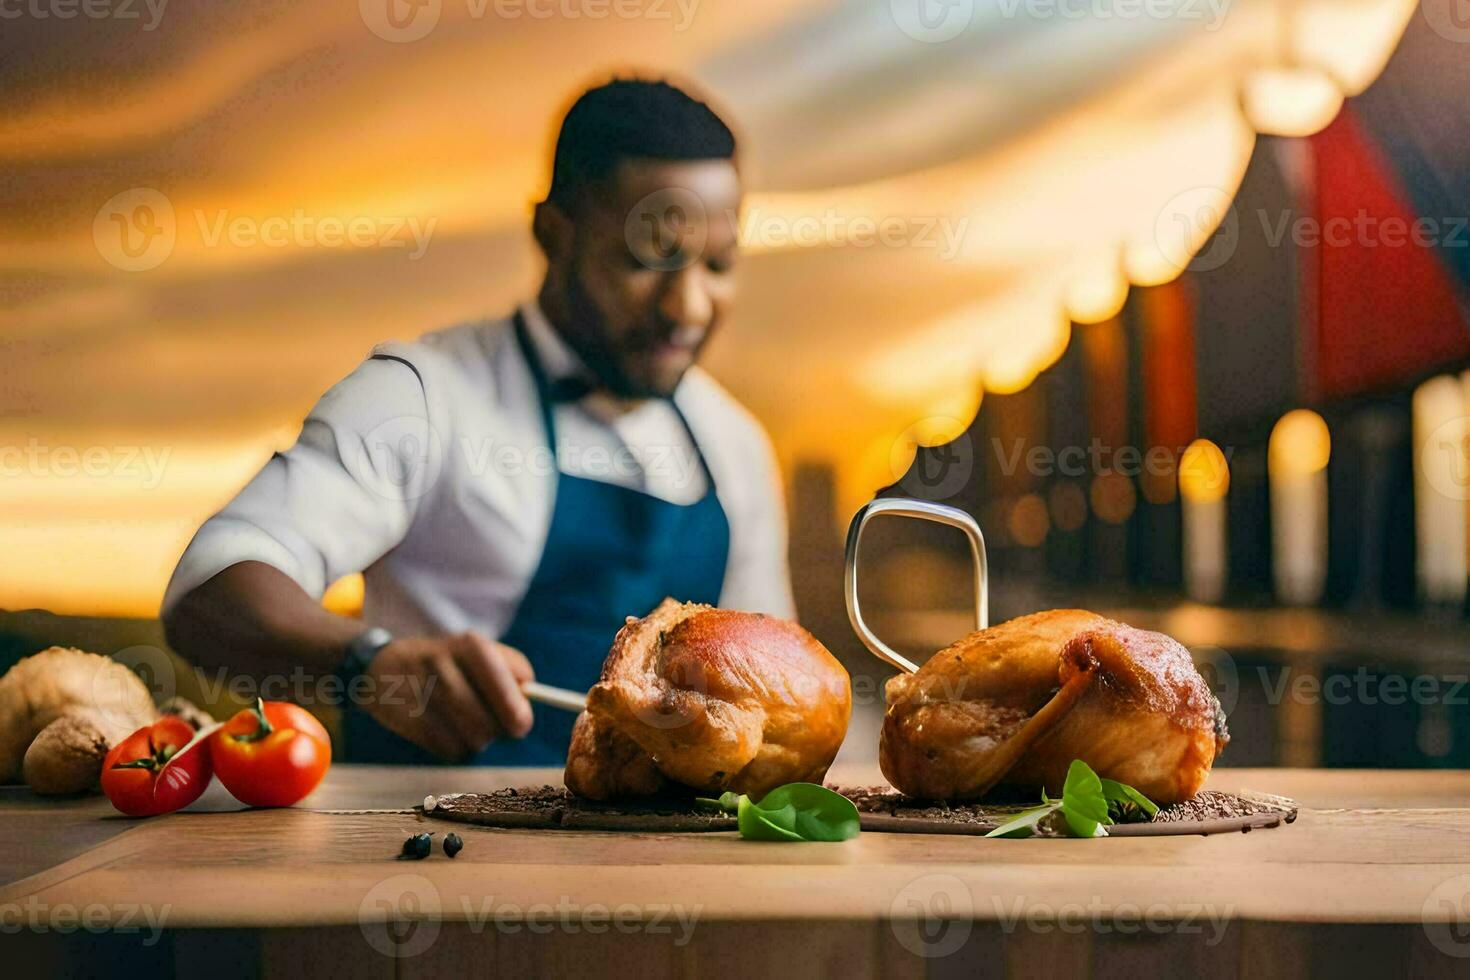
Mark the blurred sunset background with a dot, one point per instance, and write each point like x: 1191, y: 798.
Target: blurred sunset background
x: 212, y: 211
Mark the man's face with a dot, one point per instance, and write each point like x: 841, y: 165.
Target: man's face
x: 651, y: 271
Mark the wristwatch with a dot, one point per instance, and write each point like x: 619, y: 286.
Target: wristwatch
x: 361, y: 650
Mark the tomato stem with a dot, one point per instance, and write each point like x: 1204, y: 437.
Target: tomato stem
x: 263, y: 725
x: 159, y: 757
x: 146, y: 762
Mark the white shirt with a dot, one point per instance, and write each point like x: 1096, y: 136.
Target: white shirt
x: 427, y: 469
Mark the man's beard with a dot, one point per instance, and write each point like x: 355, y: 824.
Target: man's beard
x: 589, y: 342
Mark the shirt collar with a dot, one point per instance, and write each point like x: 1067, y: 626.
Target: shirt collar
x: 557, y: 359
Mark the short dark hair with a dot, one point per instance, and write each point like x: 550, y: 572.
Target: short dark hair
x: 632, y: 119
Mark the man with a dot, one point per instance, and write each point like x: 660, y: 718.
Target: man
x: 487, y: 557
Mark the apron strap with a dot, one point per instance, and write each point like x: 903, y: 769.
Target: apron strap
x: 543, y: 393
x: 543, y: 384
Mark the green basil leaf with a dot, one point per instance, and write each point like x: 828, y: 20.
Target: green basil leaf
x: 757, y: 823
x: 1084, y: 806
x: 729, y: 802
x: 1089, y: 804
x: 794, y: 812
x: 819, y: 813
x: 1024, y: 824
x: 1127, y: 803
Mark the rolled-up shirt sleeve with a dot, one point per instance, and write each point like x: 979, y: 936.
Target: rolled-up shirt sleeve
x: 337, y: 500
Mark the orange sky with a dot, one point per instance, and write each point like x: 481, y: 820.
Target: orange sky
x: 142, y: 379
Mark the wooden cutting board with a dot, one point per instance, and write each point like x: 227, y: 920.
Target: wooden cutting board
x: 882, y: 810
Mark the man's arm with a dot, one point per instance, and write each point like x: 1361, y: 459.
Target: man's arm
x: 464, y: 689
x: 252, y: 617
x: 246, y: 593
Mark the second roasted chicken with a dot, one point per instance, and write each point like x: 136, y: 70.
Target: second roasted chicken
x: 710, y: 699
x: 1015, y: 704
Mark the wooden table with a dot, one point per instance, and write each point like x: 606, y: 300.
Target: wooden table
x: 1374, y: 876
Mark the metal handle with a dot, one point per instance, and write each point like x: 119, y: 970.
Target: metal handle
x: 927, y: 511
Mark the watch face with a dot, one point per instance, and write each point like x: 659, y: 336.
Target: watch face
x: 374, y: 639
x: 360, y: 651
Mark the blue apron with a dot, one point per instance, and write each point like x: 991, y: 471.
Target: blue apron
x: 611, y: 552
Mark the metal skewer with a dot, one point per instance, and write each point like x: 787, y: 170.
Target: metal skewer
x: 927, y: 511
x: 554, y: 697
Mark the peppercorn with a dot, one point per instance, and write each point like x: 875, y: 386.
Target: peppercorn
x: 417, y: 847
x: 452, y: 844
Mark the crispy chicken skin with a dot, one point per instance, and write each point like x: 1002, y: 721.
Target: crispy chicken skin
x: 1015, y: 704
x: 711, y: 699
x: 603, y: 763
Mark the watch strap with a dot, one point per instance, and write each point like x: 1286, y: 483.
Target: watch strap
x: 361, y: 650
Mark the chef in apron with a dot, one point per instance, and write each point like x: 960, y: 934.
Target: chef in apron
x: 513, y: 489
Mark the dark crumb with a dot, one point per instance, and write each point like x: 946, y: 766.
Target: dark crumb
x: 550, y: 807
x: 881, y: 799
x: 1210, y: 805
x: 527, y: 799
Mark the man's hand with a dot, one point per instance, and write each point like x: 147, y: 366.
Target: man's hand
x: 454, y: 694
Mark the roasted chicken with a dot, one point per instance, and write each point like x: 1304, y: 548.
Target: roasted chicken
x: 712, y: 700
x: 1014, y: 704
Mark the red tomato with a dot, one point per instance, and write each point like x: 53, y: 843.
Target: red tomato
x: 144, y: 774
x: 272, y: 754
